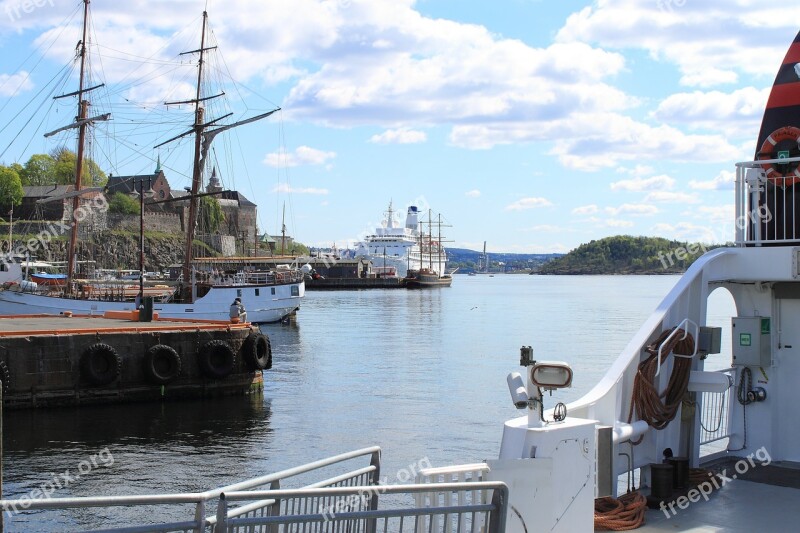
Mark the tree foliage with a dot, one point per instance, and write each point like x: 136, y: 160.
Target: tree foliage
x: 10, y: 186
x: 211, y: 214
x: 123, y: 204
x: 58, y: 168
x: 624, y: 254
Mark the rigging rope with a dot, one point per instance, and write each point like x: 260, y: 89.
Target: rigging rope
x: 659, y: 408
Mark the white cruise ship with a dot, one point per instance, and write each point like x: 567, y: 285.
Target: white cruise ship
x: 392, y: 243
x: 403, y: 247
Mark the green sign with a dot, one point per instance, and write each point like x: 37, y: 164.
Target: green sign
x: 783, y: 154
x: 744, y: 339
x: 765, y: 326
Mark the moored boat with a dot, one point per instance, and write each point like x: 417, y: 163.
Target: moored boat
x: 268, y: 298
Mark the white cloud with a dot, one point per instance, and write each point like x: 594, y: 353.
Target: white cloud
x: 638, y: 171
x: 400, y: 136
x: 528, y: 203
x: 672, y: 197
x: 715, y: 110
x: 303, y: 155
x: 712, y: 42
x: 654, y: 183
x: 687, y: 231
x: 285, y: 188
x: 724, y: 181
x: 474, y: 193
x: 633, y: 209
x: 604, y: 140
x: 721, y: 214
x: 547, y: 228
x: 618, y: 223
x: 585, y: 210
x: 13, y: 84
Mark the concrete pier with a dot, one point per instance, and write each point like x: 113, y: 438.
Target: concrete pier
x: 58, y: 360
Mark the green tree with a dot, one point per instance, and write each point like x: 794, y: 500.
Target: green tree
x: 39, y: 170
x: 211, y: 214
x: 65, y: 162
x: 123, y: 204
x: 10, y: 186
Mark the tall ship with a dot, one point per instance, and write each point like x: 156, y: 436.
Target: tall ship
x: 206, y: 290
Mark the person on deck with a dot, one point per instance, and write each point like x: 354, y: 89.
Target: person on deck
x: 238, y: 310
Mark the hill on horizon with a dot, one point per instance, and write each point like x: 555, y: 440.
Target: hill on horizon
x: 626, y: 254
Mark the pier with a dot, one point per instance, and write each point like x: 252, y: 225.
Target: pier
x: 354, y: 283
x: 72, y: 360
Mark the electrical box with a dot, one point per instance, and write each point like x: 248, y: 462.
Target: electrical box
x: 709, y: 340
x: 752, y: 341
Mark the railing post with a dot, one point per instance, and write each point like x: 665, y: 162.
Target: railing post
x: 199, y: 516
x: 275, y: 508
x: 222, y: 515
x: 375, y: 461
x: 497, y: 523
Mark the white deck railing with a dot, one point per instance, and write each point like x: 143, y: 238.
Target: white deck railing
x: 765, y: 207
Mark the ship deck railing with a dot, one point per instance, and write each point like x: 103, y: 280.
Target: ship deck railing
x: 765, y: 207
x: 25, y: 510
x: 346, y: 501
x: 715, y: 408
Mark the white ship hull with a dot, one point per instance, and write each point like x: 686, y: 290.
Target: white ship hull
x: 262, y: 306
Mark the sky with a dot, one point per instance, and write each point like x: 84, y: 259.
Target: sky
x: 533, y: 125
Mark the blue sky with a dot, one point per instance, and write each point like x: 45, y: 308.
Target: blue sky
x: 531, y: 124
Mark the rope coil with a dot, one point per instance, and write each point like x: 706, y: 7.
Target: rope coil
x: 656, y: 408
x: 623, y: 514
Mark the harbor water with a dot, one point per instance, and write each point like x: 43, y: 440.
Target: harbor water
x: 420, y: 373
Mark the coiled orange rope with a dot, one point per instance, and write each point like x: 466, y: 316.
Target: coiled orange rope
x: 659, y: 408
x: 623, y: 514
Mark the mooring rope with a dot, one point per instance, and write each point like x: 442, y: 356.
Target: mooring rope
x: 659, y: 408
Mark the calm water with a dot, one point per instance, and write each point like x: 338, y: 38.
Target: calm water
x: 421, y: 373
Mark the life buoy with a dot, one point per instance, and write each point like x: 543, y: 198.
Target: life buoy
x: 257, y: 352
x: 162, y: 364
x: 783, y: 139
x: 100, y: 364
x: 5, y: 375
x: 216, y: 359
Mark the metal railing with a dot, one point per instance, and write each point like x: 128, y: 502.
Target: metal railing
x: 347, y: 509
x: 468, y: 473
x: 200, y: 521
x: 715, y: 413
x: 765, y: 206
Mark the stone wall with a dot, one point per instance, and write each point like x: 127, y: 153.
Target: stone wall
x: 153, y: 221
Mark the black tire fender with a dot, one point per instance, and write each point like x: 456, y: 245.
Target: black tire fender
x: 162, y: 364
x: 100, y: 364
x: 257, y: 352
x: 216, y: 359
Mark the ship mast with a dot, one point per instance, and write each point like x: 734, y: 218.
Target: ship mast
x: 203, y: 137
x: 82, y: 121
x: 197, y: 173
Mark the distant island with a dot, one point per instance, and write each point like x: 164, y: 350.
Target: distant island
x: 624, y: 254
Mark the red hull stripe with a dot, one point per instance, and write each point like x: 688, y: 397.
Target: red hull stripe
x: 785, y: 95
x: 793, y: 55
